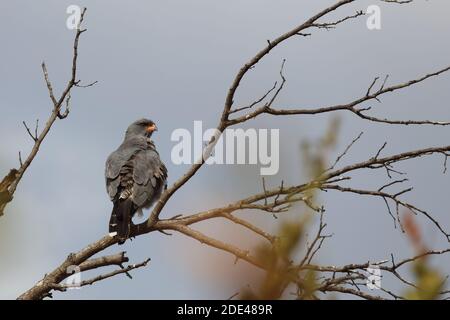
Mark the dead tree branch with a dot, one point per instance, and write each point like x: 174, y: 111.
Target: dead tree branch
x: 8, y: 189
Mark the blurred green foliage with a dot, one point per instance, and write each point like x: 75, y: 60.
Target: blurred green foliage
x: 279, y: 257
x: 428, y: 280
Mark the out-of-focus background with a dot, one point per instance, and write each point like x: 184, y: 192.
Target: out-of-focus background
x: 172, y: 61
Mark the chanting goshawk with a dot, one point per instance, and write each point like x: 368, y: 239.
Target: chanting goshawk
x: 135, y: 177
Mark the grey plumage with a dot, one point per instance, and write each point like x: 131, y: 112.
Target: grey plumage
x: 135, y: 176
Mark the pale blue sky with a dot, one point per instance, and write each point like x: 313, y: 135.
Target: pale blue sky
x: 173, y: 61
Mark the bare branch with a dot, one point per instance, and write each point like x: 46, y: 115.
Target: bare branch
x: 49, y: 84
x: 254, y: 103
x: 332, y: 25
x: 249, y: 226
x: 87, y: 85
x: 345, y: 151
x: 34, y: 137
x: 125, y: 270
x: 237, y: 252
x: 350, y: 291
x: 312, y: 249
x: 352, y: 106
x: 57, y: 103
x: 398, y: 1
x: 376, y: 163
x: 393, y: 197
x: 115, y: 259
x: 66, y: 112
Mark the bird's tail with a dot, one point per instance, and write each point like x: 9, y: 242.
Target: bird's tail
x: 120, y: 221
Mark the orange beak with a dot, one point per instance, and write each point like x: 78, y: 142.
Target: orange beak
x: 151, y: 128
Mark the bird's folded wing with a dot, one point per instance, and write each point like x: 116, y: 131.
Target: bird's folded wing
x: 116, y: 161
x: 149, y: 175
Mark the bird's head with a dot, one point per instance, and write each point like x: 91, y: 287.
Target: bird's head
x: 142, y: 127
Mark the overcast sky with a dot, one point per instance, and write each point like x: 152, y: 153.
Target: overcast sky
x: 172, y: 61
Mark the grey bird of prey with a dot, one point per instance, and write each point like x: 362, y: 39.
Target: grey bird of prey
x: 135, y: 177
